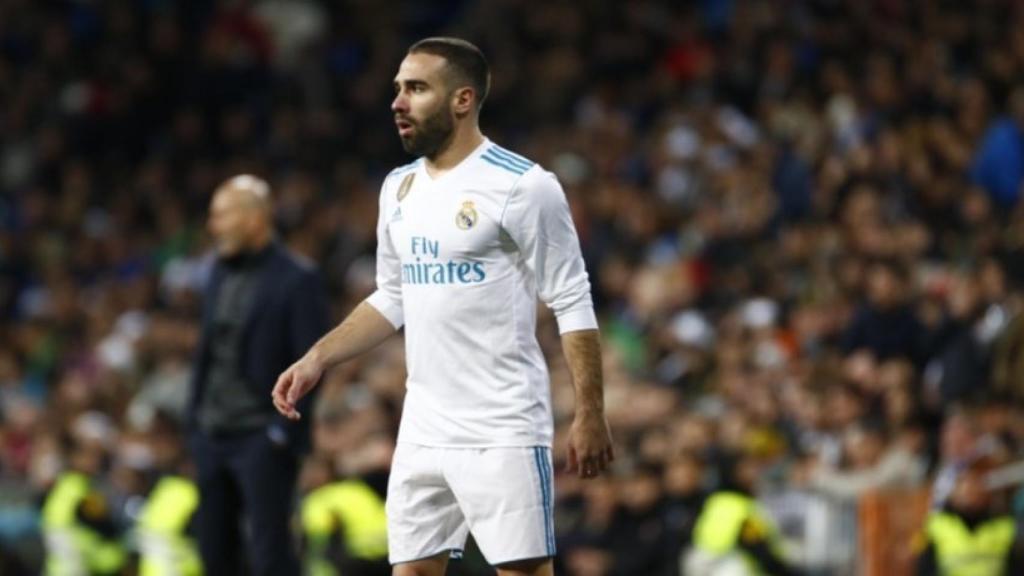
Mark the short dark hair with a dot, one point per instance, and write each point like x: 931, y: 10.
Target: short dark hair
x: 464, y: 59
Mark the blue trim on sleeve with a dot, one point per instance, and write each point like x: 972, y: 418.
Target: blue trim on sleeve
x: 493, y: 159
x: 511, y: 157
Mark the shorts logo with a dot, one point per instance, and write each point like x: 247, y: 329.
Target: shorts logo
x: 467, y: 216
x: 403, y: 188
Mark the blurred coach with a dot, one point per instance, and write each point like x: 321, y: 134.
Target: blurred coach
x: 263, y: 308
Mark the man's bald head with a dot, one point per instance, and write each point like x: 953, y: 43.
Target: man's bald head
x: 241, y: 214
x: 248, y: 190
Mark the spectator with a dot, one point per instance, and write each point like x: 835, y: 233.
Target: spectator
x: 886, y: 325
x: 873, y: 464
x: 732, y: 532
x: 953, y: 536
x: 641, y: 517
x: 999, y: 162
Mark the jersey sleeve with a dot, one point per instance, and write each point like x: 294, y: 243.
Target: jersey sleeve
x: 537, y: 218
x: 387, y: 299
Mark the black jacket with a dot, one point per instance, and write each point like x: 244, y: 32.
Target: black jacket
x: 289, y: 314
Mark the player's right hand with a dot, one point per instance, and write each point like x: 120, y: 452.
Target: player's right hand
x: 293, y: 384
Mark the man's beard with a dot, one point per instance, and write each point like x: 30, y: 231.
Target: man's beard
x: 431, y: 135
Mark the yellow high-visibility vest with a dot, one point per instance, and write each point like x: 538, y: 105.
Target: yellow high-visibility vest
x: 962, y: 552
x: 165, y: 549
x: 351, y: 506
x: 72, y: 548
x: 725, y: 515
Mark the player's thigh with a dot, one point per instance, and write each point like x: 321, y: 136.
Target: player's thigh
x: 507, y: 495
x: 433, y: 566
x: 424, y: 519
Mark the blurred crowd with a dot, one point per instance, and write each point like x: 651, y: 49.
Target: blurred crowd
x: 802, y: 221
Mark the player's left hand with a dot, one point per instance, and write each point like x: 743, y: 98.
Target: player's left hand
x: 590, y: 445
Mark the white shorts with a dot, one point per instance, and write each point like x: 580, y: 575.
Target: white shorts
x: 437, y: 496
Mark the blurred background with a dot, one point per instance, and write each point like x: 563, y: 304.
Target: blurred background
x: 802, y: 221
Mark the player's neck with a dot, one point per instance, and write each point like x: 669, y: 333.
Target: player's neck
x: 463, y: 143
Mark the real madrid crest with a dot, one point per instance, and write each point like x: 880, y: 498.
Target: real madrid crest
x: 467, y: 216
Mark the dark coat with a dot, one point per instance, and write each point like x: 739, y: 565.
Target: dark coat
x: 289, y: 314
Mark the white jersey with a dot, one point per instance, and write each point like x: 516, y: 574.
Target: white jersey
x: 461, y: 261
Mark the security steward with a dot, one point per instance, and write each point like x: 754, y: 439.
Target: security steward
x: 732, y: 534
x: 972, y: 535
x: 79, y: 529
x: 344, y: 527
x: 166, y: 529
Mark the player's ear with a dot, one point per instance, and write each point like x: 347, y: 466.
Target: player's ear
x: 464, y: 100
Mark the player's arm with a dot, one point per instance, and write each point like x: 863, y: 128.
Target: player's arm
x: 362, y: 330
x: 590, y: 442
x: 537, y: 218
x: 372, y: 321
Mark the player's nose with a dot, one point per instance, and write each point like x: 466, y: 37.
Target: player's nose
x: 400, y: 103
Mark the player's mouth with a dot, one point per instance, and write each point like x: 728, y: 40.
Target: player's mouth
x: 405, y: 127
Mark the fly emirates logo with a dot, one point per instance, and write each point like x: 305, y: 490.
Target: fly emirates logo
x: 428, y: 270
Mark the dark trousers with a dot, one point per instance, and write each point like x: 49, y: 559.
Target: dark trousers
x: 246, y: 488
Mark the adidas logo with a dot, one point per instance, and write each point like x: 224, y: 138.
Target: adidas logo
x: 397, y: 214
